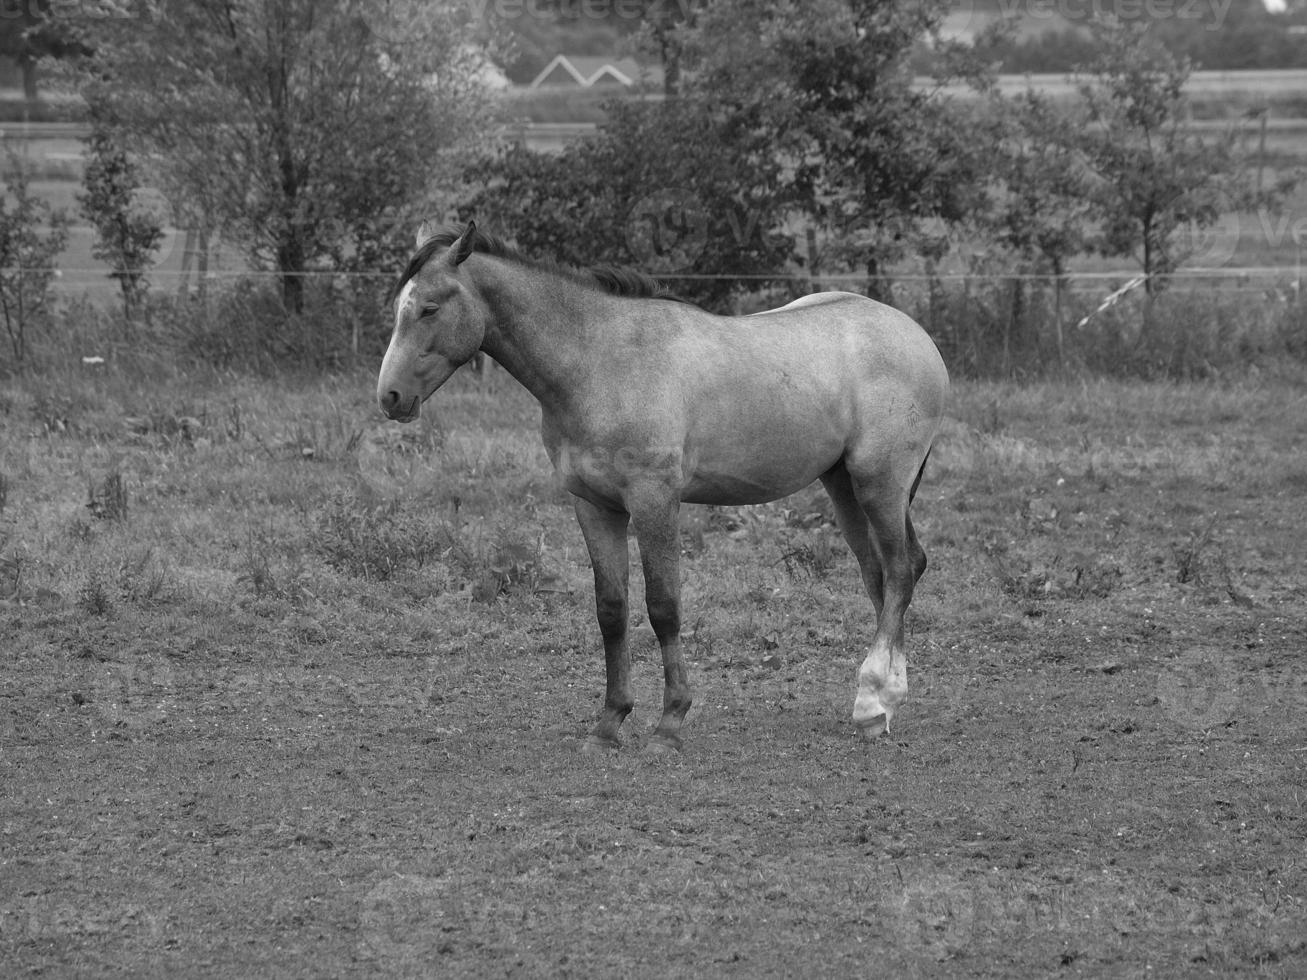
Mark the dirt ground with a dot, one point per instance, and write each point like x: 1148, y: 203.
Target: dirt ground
x: 285, y: 692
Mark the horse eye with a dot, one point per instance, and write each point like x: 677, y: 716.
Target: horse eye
x: 429, y: 310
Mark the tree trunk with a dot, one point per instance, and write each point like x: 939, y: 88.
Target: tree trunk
x: 133, y: 289
x: 28, y: 66
x: 671, y: 70
x: 1016, y: 313
x: 878, y: 285
x: 1058, y: 280
x: 1150, y: 287
x: 814, y: 260
x: 290, y: 263
x: 202, y: 264
x: 188, y: 254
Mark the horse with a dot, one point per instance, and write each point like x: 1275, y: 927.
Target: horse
x: 648, y: 402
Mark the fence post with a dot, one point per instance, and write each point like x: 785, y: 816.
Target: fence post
x: 188, y: 254
x: 814, y: 259
x: 202, y: 263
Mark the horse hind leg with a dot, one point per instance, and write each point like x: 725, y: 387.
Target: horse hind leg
x: 855, y: 527
x: 883, y: 676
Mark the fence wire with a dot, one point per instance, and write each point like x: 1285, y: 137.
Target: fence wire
x: 1237, y: 275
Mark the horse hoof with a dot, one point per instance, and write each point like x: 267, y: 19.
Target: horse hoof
x: 873, y: 727
x: 598, y: 745
x: 663, y: 745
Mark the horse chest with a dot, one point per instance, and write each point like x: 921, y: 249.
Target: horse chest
x: 601, y: 463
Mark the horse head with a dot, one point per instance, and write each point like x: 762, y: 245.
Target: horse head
x: 440, y: 323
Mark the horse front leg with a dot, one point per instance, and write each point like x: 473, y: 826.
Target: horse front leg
x: 657, y: 529
x: 605, y: 538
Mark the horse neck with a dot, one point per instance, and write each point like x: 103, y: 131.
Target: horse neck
x: 542, y: 327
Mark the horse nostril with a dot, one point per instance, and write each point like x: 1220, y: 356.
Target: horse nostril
x: 389, y: 402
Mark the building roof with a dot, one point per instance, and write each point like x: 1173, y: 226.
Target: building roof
x: 586, y: 71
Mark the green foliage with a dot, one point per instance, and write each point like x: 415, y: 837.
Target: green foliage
x: 127, y: 231
x: 781, y: 111
x: 651, y: 189
x: 108, y: 501
x: 31, y: 33
x: 1156, y: 179
x: 1042, y: 186
x: 375, y: 541
x: 131, y: 576
x: 381, y: 541
x: 1190, y: 335
x: 1037, y: 211
x: 490, y: 566
x: 242, y: 326
x: 829, y: 86
x: 32, y: 234
x: 295, y: 129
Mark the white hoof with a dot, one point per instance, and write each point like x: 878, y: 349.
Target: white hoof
x: 882, y: 687
x: 872, y: 714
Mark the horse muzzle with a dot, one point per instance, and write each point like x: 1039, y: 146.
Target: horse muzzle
x: 397, y: 409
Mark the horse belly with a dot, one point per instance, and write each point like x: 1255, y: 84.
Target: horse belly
x: 759, y: 460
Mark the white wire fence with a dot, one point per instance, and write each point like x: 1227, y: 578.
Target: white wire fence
x: 1245, y: 279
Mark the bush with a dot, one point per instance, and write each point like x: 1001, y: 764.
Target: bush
x: 32, y: 235
x: 244, y: 325
x: 1184, y: 335
x: 241, y: 325
x: 376, y: 541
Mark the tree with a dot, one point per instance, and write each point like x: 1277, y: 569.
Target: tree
x: 872, y: 157
x: 1041, y: 191
x: 127, y: 233
x: 28, y: 33
x: 1156, y: 177
x: 290, y: 124
x: 32, y: 235
x: 677, y: 188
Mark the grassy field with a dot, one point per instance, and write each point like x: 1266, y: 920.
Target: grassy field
x: 288, y: 692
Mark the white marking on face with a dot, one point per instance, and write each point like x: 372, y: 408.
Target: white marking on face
x: 405, y: 298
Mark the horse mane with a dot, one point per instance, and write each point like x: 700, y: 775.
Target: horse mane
x: 609, y: 279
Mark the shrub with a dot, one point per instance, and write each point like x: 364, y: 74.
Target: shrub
x: 1191, y: 334
x: 375, y: 541
x: 32, y: 234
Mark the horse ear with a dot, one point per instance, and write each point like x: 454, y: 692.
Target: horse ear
x: 425, y: 231
x: 465, y: 244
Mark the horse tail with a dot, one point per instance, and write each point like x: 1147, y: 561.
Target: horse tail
x: 921, y: 471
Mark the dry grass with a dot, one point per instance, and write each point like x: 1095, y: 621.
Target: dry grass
x: 305, y: 689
